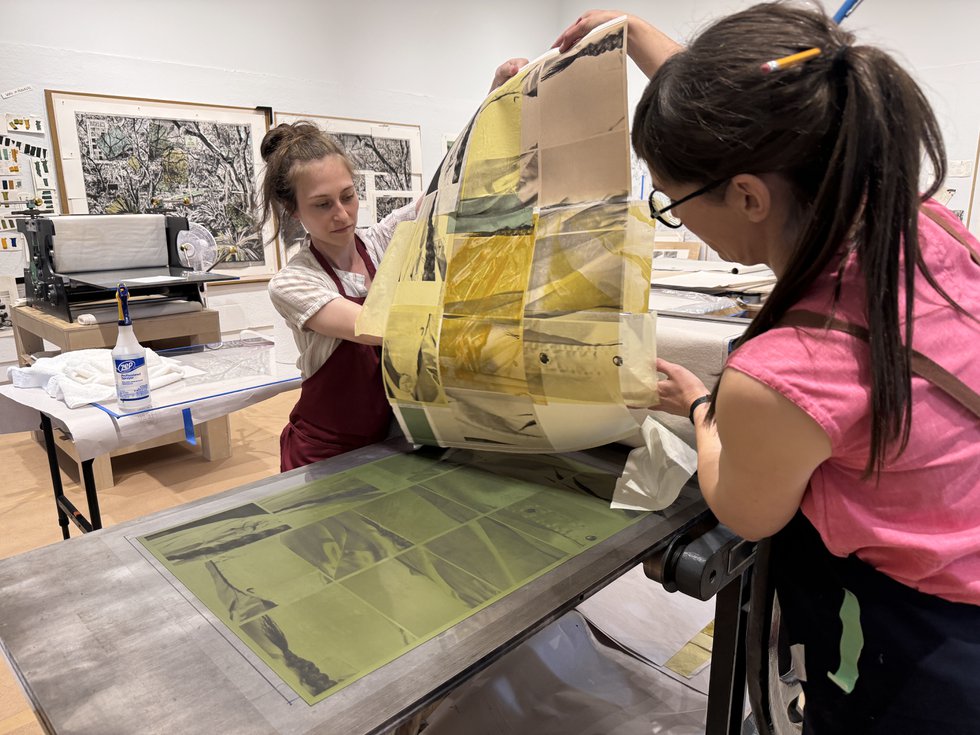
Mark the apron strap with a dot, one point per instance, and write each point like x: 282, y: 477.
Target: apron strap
x: 325, y: 264
x: 922, y: 366
x: 947, y: 225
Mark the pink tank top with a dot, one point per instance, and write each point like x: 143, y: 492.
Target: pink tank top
x: 920, y: 524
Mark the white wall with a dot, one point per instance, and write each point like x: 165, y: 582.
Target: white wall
x: 938, y: 42
x: 428, y: 63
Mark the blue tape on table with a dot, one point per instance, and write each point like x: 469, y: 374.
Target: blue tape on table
x: 189, y: 427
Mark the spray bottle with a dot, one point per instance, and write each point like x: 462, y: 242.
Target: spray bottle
x: 129, y: 361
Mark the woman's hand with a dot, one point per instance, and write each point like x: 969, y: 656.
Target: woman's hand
x: 588, y: 21
x: 646, y: 45
x: 506, y: 70
x: 678, y: 390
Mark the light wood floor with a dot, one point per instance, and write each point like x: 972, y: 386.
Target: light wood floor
x: 145, y: 482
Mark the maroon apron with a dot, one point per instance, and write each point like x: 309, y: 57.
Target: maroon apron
x: 342, y: 406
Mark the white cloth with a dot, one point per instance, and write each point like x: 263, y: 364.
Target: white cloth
x: 86, y: 376
x: 302, y: 288
x: 656, y: 471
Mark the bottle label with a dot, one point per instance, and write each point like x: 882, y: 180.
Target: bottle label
x: 132, y: 381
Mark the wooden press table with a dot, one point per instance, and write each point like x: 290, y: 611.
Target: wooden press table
x: 33, y: 327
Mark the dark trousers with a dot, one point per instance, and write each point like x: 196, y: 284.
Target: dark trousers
x: 881, y: 657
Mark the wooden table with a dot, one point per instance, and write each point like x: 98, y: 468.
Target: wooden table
x: 33, y: 327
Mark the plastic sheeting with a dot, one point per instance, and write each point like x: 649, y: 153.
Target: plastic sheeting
x: 564, y: 681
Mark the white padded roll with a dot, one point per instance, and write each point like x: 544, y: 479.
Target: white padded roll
x: 701, y: 346
x: 103, y: 242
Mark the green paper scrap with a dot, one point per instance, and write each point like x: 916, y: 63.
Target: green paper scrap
x: 331, y: 580
x: 851, y: 643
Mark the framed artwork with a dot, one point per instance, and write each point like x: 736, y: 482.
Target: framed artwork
x: 387, y: 159
x: 973, y: 212
x: 120, y: 154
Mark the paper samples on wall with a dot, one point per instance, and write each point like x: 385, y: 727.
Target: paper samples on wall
x: 14, y: 155
x: 10, y: 238
x: 514, y: 309
x: 28, y: 149
x: 24, y: 123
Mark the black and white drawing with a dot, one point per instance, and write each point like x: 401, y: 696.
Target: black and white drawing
x: 389, y: 158
x: 385, y: 205
x: 200, y: 170
x: 117, y: 155
x: 387, y: 161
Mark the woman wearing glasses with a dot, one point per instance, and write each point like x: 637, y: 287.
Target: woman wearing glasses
x: 847, y: 423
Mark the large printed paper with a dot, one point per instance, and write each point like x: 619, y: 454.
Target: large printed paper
x: 331, y: 580
x: 514, y: 309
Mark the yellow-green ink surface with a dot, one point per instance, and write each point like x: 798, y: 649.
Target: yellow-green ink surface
x: 331, y: 580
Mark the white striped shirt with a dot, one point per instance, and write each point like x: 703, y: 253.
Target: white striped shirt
x: 303, y: 287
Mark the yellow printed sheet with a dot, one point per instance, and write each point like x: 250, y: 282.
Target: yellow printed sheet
x: 514, y: 311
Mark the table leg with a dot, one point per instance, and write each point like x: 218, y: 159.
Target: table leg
x: 59, y: 492
x: 88, y: 478
x: 216, y: 439
x: 26, y: 343
x: 102, y: 471
x: 726, y: 686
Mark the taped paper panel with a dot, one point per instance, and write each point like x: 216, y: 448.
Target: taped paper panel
x: 372, y: 320
x: 481, y: 354
x: 574, y: 359
x: 409, y: 365
x: 483, y: 420
x: 488, y: 275
x: 640, y: 233
x: 638, y: 343
x: 534, y: 303
x: 572, y: 426
x: 580, y: 266
x: 569, y: 176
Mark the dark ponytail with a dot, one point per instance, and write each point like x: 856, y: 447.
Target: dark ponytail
x: 283, y: 148
x: 847, y: 130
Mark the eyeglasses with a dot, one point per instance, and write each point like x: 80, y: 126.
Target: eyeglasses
x: 660, y: 204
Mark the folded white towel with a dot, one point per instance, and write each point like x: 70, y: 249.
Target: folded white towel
x: 76, y: 394
x: 86, y: 376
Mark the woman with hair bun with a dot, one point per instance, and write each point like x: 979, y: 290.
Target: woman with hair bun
x: 846, y: 424
x: 342, y: 405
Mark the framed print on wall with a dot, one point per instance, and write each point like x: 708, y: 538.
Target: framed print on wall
x: 387, y: 159
x: 120, y: 154
x: 973, y: 209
